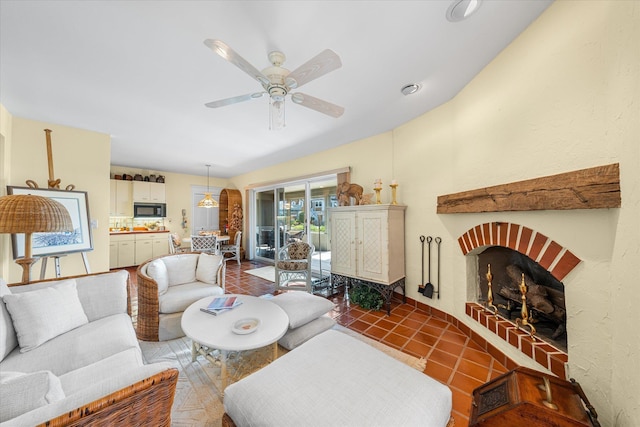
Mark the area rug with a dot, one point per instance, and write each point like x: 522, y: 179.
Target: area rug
x: 197, y: 401
x: 267, y: 273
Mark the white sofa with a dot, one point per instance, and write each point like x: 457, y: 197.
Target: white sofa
x: 69, y: 353
x: 167, y: 285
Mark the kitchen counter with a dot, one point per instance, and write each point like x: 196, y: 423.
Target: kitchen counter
x: 137, y: 232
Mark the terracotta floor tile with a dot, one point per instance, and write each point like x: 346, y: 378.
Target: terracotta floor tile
x: 443, y: 358
x: 465, y: 383
x: 403, y: 330
x: 425, y: 338
x: 477, y: 356
x: 417, y: 348
x: 450, y: 347
x: 461, y: 402
x: 438, y: 371
x: 473, y: 370
x: 375, y: 332
x: 385, y: 324
x: 454, y: 337
x: 411, y: 323
x: 395, y: 340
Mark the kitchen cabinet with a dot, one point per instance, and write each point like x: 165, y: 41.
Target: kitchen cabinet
x: 151, y: 245
x: 122, y: 250
x: 367, y: 247
x: 120, y: 198
x: 148, y: 192
x: 128, y: 249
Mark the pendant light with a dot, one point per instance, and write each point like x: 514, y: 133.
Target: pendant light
x: 208, y: 201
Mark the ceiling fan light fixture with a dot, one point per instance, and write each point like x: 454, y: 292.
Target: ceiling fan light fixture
x: 276, y: 113
x: 410, y: 89
x: 208, y: 201
x: 460, y: 10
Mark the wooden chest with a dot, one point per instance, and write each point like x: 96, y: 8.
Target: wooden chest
x: 525, y: 397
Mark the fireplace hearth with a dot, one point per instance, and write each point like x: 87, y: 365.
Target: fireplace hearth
x: 545, y: 299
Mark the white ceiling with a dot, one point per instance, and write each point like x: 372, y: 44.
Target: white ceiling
x: 139, y: 71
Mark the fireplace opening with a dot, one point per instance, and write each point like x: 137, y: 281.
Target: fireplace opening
x: 545, y: 298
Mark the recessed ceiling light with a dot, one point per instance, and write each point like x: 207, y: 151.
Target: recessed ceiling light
x: 409, y: 89
x: 462, y: 9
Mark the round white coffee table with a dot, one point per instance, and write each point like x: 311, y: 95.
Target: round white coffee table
x: 213, y: 336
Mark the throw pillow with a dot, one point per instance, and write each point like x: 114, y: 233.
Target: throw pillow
x: 157, y: 270
x: 21, y: 393
x: 8, y: 339
x: 302, y: 307
x: 294, y: 337
x: 41, y: 315
x: 181, y: 268
x: 208, y: 267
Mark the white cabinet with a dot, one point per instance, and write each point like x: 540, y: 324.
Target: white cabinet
x: 122, y: 250
x: 149, y: 192
x: 367, y: 242
x: 151, y: 245
x: 367, y: 247
x: 120, y: 198
x: 128, y: 249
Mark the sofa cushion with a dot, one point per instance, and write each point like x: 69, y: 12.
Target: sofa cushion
x: 77, y: 348
x: 76, y: 381
x: 21, y: 392
x: 294, y: 337
x: 104, y: 294
x: 302, y: 307
x: 8, y: 338
x: 181, y: 268
x: 41, y: 315
x: 178, y: 298
x: 207, y: 269
x: 157, y: 270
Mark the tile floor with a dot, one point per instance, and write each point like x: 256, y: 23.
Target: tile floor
x: 452, y: 358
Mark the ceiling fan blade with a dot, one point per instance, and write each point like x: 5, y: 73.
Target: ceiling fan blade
x: 318, y: 66
x: 234, y: 100
x: 232, y: 56
x: 317, y: 104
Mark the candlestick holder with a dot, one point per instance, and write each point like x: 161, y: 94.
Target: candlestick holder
x: 377, y: 190
x: 393, y: 193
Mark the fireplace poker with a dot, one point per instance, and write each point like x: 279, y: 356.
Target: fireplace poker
x: 438, y: 241
x: 420, y: 288
x: 428, y: 287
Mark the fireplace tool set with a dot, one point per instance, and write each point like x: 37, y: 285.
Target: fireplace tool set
x: 428, y: 289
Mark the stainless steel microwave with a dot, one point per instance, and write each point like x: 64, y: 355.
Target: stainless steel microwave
x: 149, y: 210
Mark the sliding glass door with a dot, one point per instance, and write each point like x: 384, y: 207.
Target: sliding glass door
x: 293, y: 211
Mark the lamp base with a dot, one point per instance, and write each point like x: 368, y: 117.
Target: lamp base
x: 26, y: 264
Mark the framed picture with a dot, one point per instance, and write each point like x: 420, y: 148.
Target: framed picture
x: 48, y: 244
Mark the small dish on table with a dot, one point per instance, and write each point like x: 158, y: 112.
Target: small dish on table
x: 245, y: 326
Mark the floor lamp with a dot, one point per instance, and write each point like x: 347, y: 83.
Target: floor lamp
x: 26, y: 213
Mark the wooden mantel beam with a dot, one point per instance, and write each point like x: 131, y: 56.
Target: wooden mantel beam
x: 593, y: 188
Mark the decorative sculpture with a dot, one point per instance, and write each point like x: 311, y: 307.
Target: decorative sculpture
x: 346, y: 190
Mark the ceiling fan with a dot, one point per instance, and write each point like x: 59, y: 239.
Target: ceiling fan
x: 278, y: 82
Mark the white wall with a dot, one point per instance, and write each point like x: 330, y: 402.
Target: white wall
x: 564, y: 96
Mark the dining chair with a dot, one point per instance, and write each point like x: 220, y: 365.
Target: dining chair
x: 293, y: 267
x: 206, y: 244
x: 233, y: 249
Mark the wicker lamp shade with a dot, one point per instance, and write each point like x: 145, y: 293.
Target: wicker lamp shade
x: 26, y: 213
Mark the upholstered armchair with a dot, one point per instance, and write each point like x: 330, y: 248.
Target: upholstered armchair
x: 167, y: 285
x: 293, y: 267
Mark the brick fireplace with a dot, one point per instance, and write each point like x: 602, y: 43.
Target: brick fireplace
x: 593, y: 188
x: 558, y: 260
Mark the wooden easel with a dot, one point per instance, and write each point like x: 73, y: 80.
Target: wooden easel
x: 56, y: 263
